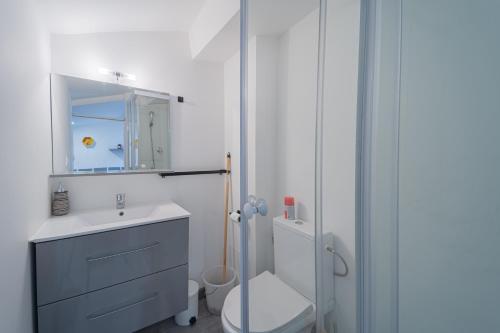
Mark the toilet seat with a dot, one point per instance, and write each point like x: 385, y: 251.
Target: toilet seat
x: 274, y: 307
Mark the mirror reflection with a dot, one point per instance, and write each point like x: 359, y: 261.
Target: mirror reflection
x: 102, y: 127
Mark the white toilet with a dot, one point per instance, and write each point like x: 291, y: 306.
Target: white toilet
x: 283, y: 302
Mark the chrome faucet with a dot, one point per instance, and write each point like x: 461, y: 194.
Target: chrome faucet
x: 120, y: 201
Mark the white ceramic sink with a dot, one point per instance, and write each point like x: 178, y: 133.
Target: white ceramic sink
x: 89, y: 222
x: 117, y: 215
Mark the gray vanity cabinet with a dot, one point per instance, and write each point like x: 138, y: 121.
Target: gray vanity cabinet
x: 126, y: 307
x: 114, y: 281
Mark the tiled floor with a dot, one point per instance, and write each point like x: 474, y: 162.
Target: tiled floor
x: 206, y: 323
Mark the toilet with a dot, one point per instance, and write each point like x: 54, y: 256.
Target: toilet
x: 283, y: 302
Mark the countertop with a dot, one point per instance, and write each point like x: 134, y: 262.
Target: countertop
x: 74, y: 224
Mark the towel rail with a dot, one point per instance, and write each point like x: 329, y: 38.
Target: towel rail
x: 198, y: 172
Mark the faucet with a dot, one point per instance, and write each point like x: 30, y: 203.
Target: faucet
x: 120, y: 201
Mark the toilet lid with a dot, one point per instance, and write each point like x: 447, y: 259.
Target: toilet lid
x: 273, y: 305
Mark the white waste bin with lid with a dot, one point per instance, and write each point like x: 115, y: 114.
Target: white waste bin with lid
x: 190, y: 315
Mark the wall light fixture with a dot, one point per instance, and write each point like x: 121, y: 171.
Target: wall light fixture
x: 117, y: 75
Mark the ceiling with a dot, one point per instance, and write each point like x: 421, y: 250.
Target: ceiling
x: 89, y: 16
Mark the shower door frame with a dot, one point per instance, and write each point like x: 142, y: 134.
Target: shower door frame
x: 370, y: 195
x: 244, y: 303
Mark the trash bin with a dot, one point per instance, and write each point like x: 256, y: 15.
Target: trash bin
x: 189, y: 316
x: 217, y: 286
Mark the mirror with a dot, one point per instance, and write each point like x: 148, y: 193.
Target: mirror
x: 100, y: 127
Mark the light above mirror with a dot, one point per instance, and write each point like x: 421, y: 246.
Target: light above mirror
x: 117, y: 75
x: 103, y: 128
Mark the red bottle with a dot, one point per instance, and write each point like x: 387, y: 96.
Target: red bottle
x: 289, y: 208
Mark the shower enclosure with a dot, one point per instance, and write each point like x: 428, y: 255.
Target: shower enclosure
x: 415, y: 149
x: 297, y: 67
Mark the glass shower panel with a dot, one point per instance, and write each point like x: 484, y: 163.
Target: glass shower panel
x: 281, y: 93
x: 436, y: 268
x: 340, y: 93
x: 449, y: 185
x: 149, y: 132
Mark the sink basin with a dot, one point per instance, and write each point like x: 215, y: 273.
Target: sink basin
x: 116, y: 215
x: 90, y: 222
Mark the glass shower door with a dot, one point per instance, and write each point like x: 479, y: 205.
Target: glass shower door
x: 148, y: 131
x: 432, y: 215
x: 277, y: 132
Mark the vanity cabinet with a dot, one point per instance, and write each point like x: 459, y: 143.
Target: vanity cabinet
x: 113, y: 281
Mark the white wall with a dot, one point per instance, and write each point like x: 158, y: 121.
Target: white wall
x: 296, y: 115
x: 263, y: 144
x: 162, y: 62
x: 26, y: 154
x: 232, y: 142
x: 232, y: 118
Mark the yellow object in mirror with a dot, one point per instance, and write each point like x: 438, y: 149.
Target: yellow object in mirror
x: 88, y: 141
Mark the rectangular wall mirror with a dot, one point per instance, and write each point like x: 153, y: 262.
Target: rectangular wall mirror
x: 100, y: 127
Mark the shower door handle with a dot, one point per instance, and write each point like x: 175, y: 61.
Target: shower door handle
x: 255, y: 206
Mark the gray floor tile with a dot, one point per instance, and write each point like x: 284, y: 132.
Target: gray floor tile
x: 207, y: 323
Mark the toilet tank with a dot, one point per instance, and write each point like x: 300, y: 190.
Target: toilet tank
x: 294, y: 254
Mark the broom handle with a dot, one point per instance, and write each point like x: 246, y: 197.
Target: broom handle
x: 226, y: 209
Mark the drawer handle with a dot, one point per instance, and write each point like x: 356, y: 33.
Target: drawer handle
x: 148, y: 298
x: 110, y: 256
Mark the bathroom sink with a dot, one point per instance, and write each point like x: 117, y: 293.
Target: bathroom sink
x: 93, y: 221
x: 106, y: 216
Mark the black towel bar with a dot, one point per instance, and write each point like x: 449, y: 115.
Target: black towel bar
x: 187, y: 173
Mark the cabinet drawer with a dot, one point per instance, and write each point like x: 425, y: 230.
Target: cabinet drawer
x: 123, y: 308
x: 73, y: 266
